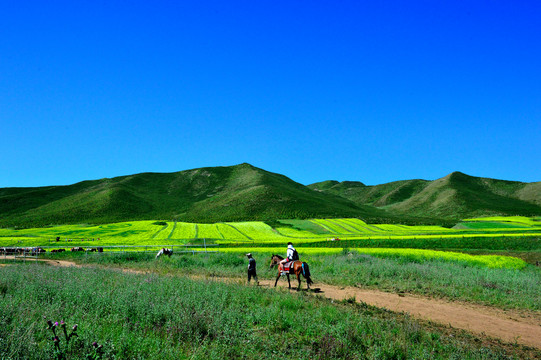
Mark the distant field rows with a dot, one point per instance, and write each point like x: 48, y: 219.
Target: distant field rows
x: 166, y: 232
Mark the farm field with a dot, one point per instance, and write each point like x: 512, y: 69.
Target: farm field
x: 300, y: 231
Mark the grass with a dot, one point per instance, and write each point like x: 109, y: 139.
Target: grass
x: 407, y: 255
x: 153, y: 317
x: 443, y: 278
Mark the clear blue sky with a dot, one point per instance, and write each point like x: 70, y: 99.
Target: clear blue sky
x: 372, y: 91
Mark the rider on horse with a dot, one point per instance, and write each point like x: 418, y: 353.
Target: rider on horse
x: 290, y: 256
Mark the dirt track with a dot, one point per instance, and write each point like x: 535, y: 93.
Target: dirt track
x: 510, y: 326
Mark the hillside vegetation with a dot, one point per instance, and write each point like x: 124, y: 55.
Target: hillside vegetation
x: 246, y: 193
x: 236, y: 193
x: 454, y: 196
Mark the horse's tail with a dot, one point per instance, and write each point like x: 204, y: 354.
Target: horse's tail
x: 306, y: 273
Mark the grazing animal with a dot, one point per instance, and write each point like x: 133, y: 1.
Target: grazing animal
x: 78, y: 248
x: 164, y: 251
x: 8, y: 251
x: 295, y: 267
x: 38, y: 250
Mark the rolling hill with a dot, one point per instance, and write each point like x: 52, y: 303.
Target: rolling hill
x: 235, y: 193
x: 454, y: 196
x: 244, y: 192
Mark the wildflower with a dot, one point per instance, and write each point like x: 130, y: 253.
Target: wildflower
x: 56, y: 323
x: 56, y: 342
x: 95, y: 344
x: 74, y: 328
x: 63, y: 324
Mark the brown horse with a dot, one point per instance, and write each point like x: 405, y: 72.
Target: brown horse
x: 297, y: 268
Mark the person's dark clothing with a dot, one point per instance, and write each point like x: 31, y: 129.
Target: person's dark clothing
x: 251, y: 269
x: 251, y: 264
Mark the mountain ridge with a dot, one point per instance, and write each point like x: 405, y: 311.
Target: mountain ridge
x: 244, y: 192
x: 453, y: 196
x: 212, y: 194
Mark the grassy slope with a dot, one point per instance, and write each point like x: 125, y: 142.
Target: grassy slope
x: 459, y: 195
x: 454, y: 196
x: 379, y: 195
x: 240, y: 192
x: 243, y: 193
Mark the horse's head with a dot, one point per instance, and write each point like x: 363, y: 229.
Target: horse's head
x: 275, y: 260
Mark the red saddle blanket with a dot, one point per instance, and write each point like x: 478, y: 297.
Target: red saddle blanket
x: 288, y: 265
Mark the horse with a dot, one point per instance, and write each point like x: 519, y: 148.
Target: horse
x: 164, y: 251
x: 297, y: 268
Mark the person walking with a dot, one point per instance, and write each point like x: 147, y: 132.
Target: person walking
x: 252, y: 268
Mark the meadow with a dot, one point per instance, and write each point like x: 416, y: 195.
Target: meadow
x: 198, y: 319
x: 147, y: 316
x: 454, y: 277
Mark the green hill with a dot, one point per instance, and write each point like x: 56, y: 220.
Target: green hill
x: 454, y: 196
x: 244, y: 192
x: 234, y: 193
x: 379, y: 195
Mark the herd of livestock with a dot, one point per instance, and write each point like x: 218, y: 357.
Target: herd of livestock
x: 38, y: 250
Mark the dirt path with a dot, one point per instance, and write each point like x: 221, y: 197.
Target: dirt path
x: 509, y: 326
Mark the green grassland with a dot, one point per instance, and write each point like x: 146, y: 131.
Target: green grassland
x: 411, y: 255
x: 134, y: 317
x: 499, y: 281
x: 131, y: 316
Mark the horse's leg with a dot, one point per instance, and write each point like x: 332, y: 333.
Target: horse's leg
x: 278, y: 277
x: 299, y: 280
x: 288, y: 282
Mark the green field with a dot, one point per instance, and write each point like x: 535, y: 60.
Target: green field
x: 465, y: 264
x: 277, y: 232
x: 134, y: 316
x: 488, y: 236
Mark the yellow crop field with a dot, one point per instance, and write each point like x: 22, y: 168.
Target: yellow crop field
x: 489, y: 261
x: 183, y: 230
x: 208, y: 231
x: 152, y: 232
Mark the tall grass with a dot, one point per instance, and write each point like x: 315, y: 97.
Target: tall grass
x: 503, y: 288
x: 408, y: 255
x: 153, y: 317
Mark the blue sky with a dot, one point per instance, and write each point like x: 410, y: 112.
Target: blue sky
x: 373, y: 91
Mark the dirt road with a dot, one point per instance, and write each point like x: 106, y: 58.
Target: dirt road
x: 510, y: 326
